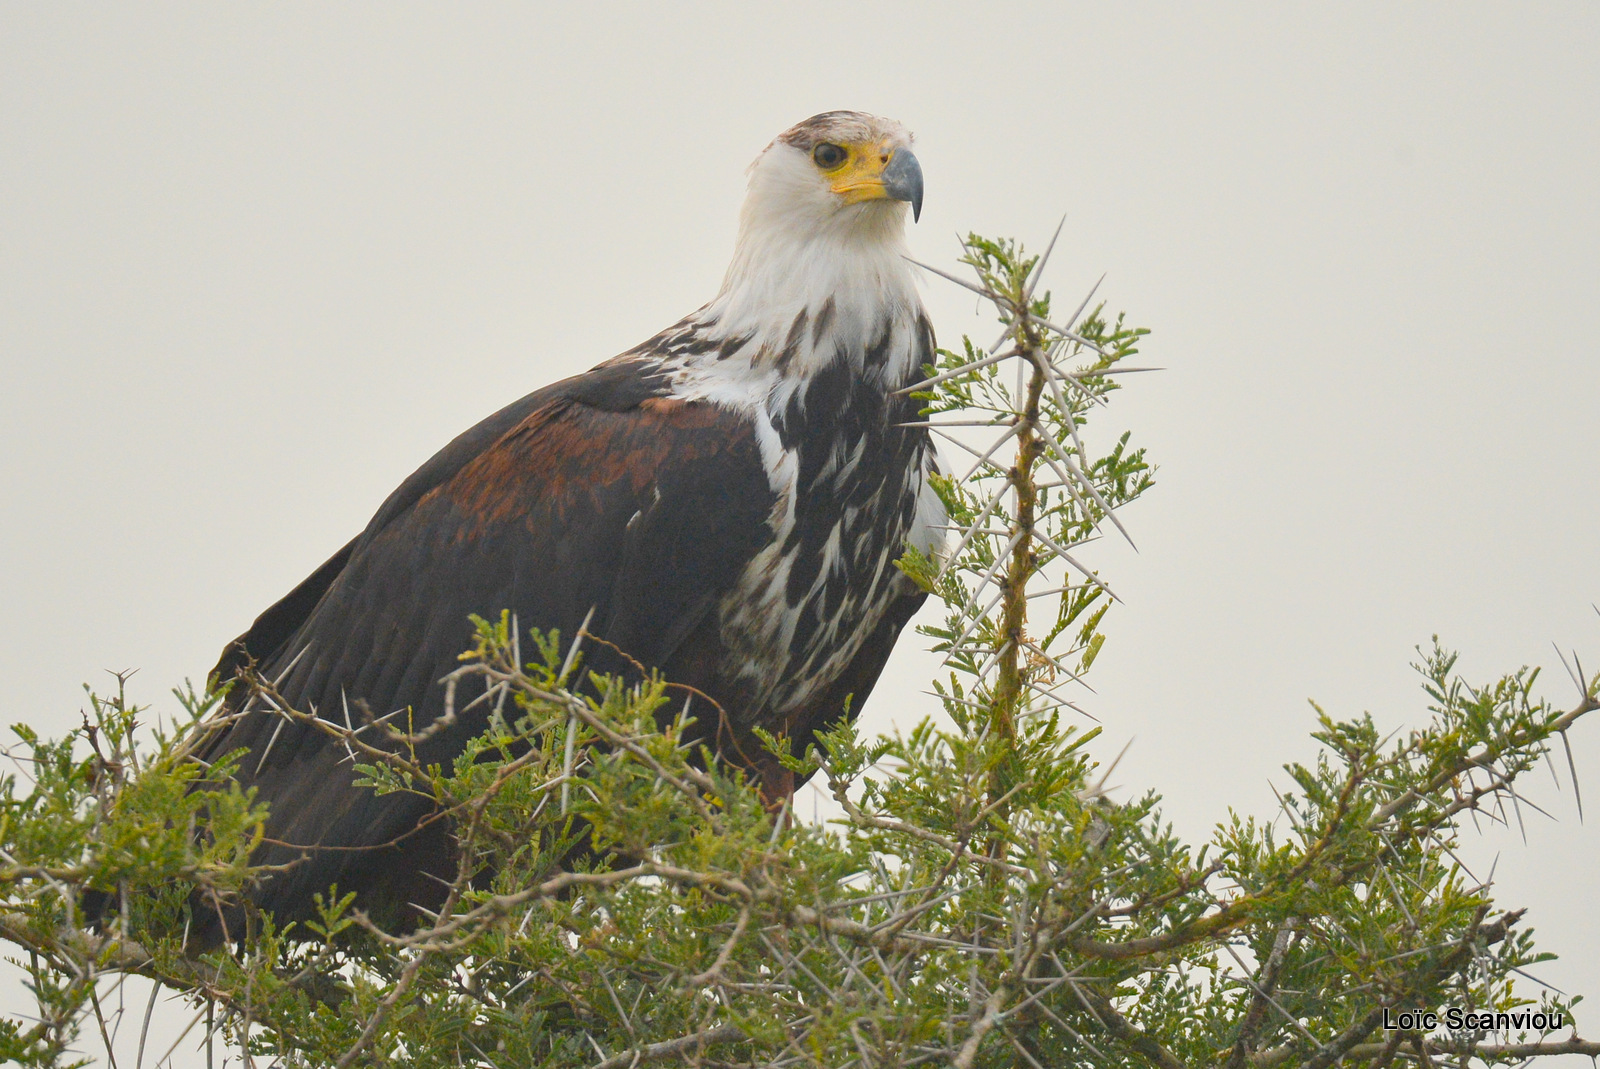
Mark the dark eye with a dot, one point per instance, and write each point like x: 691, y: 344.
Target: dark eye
x: 828, y: 156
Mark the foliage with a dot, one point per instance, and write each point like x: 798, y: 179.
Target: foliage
x: 623, y: 899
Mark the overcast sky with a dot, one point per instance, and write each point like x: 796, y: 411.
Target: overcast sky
x: 258, y: 263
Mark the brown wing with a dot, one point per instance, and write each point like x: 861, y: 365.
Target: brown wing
x: 595, y: 493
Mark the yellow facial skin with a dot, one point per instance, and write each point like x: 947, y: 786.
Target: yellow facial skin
x: 860, y: 177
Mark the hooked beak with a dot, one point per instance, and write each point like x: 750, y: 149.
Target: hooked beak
x: 902, y: 180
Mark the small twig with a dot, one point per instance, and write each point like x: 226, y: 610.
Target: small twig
x: 667, y: 1048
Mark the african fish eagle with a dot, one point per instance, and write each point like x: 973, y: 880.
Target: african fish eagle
x: 724, y: 503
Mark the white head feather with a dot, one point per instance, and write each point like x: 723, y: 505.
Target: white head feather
x: 803, y: 242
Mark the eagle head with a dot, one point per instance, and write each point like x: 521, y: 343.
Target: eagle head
x: 839, y: 169
x: 822, y: 239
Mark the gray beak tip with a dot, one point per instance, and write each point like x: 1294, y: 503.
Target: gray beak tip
x: 902, y: 180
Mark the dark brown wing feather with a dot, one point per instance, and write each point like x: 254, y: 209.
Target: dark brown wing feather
x: 593, y: 493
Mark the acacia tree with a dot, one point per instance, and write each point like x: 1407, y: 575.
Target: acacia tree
x: 980, y: 901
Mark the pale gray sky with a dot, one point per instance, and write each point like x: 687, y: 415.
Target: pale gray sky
x: 257, y: 263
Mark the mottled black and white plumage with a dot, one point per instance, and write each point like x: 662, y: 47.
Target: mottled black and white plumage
x: 727, y: 499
